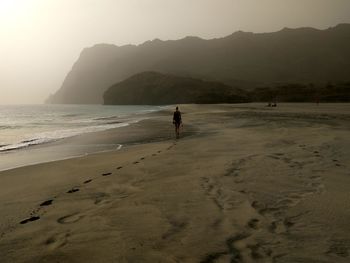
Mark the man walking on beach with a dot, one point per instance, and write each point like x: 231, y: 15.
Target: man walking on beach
x: 177, y: 121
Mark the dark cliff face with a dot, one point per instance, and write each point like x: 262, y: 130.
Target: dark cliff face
x: 152, y: 88
x: 242, y: 59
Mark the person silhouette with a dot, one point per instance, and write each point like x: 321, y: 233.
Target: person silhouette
x: 177, y: 121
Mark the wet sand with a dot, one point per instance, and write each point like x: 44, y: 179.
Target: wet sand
x: 247, y: 183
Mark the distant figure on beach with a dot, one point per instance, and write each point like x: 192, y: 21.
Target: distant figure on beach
x: 177, y: 121
x: 270, y: 104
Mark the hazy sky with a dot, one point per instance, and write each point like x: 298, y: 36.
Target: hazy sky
x: 41, y: 39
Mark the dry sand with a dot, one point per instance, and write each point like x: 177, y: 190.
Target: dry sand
x: 247, y: 184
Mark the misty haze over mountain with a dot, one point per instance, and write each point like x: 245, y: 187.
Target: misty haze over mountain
x: 242, y: 60
x: 41, y: 40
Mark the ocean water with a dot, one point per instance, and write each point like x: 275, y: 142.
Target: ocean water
x: 23, y: 126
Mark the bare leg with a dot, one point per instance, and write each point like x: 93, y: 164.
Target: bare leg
x: 177, y: 130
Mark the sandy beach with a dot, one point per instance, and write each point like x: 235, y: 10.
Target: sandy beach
x: 244, y: 183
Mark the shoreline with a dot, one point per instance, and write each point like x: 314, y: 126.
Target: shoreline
x: 326, y: 111
x: 259, y: 184
x: 31, y: 142
x: 80, y: 145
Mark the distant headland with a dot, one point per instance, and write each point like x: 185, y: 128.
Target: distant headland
x: 302, y: 64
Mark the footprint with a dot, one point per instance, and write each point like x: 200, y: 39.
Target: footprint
x: 175, y: 227
x: 274, y: 157
x: 136, y: 162
x: 69, y: 219
x: 34, y: 211
x: 31, y: 219
x: 339, y: 247
x: 46, y: 203
x: 279, y: 227
x: 57, y: 241
x: 256, y: 205
x: 288, y: 223
x: 143, y: 158
x: 106, y: 174
x: 120, y: 167
x: 154, y: 154
x: 73, y: 190
x: 233, y: 172
x: 87, y: 181
x: 253, y: 223
x: 316, y: 177
x: 101, y: 197
x: 279, y: 154
x: 159, y: 151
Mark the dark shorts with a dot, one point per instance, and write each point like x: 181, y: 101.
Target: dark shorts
x: 177, y: 124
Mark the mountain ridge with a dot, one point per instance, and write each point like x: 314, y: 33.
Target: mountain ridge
x: 243, y: 59
x: 154, y: 88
